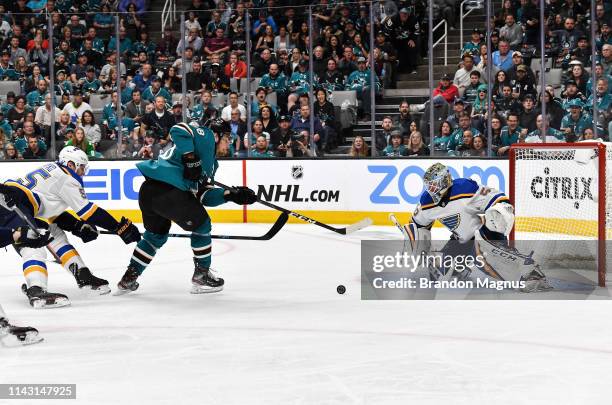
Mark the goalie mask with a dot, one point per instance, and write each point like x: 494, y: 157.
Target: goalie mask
x: 437, y: 181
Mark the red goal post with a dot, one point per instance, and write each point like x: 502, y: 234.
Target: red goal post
x: 588, y: 219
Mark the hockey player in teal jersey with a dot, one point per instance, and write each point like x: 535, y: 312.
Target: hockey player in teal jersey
x: 177, y: 187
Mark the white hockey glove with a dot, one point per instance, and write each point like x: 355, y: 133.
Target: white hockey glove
x: 500, y: 218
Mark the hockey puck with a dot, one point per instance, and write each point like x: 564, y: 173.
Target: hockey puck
x: 341, y: 289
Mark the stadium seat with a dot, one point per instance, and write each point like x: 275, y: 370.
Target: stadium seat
x: 339, y: 97
x: 219, y: 100
x: 98, y: 101
x: 254, y: 84
x: 553, y: 77
x: 13, y: 86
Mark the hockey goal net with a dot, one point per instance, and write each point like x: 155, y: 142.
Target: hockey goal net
x: 560, y: 193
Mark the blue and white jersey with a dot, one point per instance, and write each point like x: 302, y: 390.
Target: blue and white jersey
x: 52, y: 189
x: 460, y: 209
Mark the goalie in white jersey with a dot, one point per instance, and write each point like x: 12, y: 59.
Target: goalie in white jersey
x: 44, y: 195
x: 472, y: 212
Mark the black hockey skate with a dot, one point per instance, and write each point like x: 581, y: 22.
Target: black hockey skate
x: 205, y: 281
x: 12, y: 335
x: 128, y: 282
x: 40, y: 298
x: 86, y: 280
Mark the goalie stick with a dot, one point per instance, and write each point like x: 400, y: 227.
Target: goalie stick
x: 342, y: 231
x: 398, y: 225
x: 280, y: 222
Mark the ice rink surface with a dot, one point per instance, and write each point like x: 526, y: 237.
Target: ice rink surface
x: 280, y: 333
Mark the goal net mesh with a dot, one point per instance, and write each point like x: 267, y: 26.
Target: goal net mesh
x: 556, y: 198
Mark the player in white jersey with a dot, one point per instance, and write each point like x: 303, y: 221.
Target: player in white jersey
x: 45, y: 194
x: 472, y: 212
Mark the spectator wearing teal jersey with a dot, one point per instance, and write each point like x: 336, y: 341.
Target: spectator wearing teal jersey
x: 125, y: 43
x: 359, y: 81
x: 456, y: 137
x: 576, y: 121
x: 395, y: 148
x: 510, y: 134
x: 90, y: 84
x: 36, y: 98
x: 602, y: 98
x: 536, y: 135
x: 7, y: 70
x: 156, y: 89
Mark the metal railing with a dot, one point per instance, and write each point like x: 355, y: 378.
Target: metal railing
x: 472, y: 5
x: 442, y: 38
x: 168, y: 15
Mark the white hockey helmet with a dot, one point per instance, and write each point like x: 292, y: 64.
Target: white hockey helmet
x: 74, y: 155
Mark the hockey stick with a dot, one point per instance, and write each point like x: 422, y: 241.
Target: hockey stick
x: 34, y: 228
x: 280, y: 222
x: 399, y: 226
x: 343, y: 231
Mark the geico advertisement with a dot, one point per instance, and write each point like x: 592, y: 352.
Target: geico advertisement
x: 300, y: 184
x: 557, y: 189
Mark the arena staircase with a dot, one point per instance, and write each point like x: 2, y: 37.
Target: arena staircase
x: 414, y: 88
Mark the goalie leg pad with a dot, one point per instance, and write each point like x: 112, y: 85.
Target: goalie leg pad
x: 503, y: 262
x: 418, y: 239
x: 455, y: 270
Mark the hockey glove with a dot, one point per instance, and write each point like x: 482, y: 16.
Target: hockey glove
x: 203, y: 186
x: 29, y: 238
x: 85, y: 231
x: 12, y: 195
x: 192, y: 166
x: 127, y: 231
x: 241, y: 195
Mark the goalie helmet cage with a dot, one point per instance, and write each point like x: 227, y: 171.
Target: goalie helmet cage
x: 549, y: 189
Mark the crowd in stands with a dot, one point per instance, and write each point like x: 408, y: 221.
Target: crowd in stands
x: 460, y: 101
x: 125, y: 110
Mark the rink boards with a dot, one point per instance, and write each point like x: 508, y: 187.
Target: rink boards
x: 334, y: 191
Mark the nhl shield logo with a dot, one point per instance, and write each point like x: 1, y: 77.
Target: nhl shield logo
x: 297, y: 172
